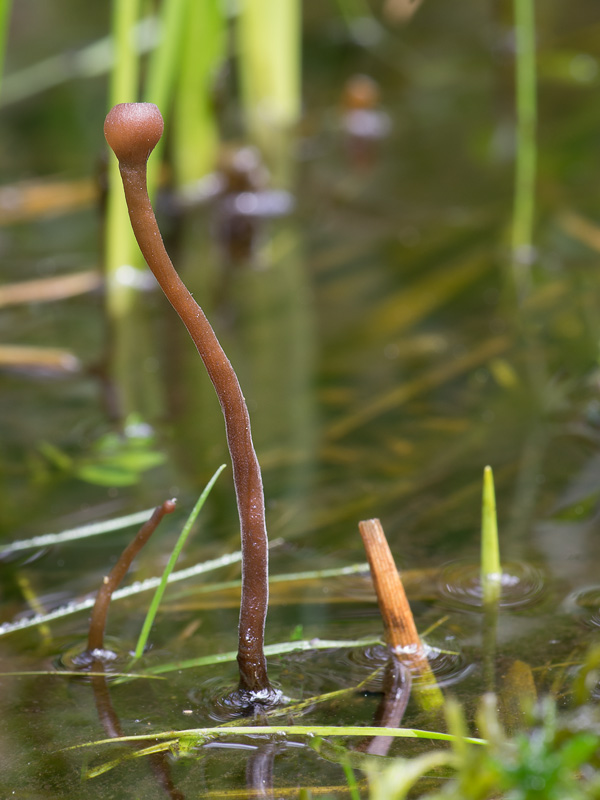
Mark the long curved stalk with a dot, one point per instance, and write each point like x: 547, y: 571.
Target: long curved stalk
x: 132, y: 131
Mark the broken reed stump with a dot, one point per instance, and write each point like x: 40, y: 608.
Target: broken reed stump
x: 401, y: 634
x: 400, y: 630
x: 116, y: 575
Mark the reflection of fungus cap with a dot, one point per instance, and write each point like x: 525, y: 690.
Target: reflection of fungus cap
x: 132, y: 130
x: 360, y: 93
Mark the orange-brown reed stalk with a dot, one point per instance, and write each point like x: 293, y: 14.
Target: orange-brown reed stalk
x: 400, y: 630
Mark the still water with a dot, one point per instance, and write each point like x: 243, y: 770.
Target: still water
x: 385, y: 361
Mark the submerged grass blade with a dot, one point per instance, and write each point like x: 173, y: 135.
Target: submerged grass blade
x: 160, y: 590
x: 66, y: 673
x: 91, y: 61
x: 491, y: 570
x: 270, y: 650
x: 127, y: 591
x: 93, y: 529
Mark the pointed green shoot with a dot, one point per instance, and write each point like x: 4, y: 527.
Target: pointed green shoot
x: 491, y: 570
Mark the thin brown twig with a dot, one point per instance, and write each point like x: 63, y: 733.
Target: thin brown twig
x: 116, y: 575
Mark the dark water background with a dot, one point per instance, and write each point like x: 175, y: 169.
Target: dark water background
x: 385, y: 363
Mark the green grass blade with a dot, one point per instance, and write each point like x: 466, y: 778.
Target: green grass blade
x: 145, y: 632
x: 351, y: 780
x: 491, y: 570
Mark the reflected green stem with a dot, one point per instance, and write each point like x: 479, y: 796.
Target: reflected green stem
x: 526, y: 155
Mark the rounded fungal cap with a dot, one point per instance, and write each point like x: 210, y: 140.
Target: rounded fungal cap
x: 132, y: 130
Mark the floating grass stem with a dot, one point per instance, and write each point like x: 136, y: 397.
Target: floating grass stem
x: 132, y: 131
x: 491, y: 570
x: 116, y: 575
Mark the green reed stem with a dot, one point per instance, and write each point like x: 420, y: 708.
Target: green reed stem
x: 163, y: 65
x: 5, y: 7
x: 160, y: 590
x: 120, y: 245
x: 526, y: 149
x: 195, y: 131
x: 269, y: 38
x: 491, y: 570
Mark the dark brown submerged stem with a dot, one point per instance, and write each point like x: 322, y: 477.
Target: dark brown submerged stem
x: 116, y: 575
x: 132, y: 131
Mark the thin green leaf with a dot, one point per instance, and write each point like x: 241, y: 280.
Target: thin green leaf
x: 160, y: 590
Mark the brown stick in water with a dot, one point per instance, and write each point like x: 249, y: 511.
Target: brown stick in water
x: 132, y: 131
x: 400, y: 629
x: 116, y: 575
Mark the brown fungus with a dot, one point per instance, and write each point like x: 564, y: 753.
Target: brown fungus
x: 132, y: 130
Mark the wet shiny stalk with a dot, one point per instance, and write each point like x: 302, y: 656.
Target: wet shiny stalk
x: 132, y: 130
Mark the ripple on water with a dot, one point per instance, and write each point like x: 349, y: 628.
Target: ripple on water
x: 218, y: 699
x: 585, y: 603
x: 521, y: 586
x: 448, y: 666
x: 113, y: 658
